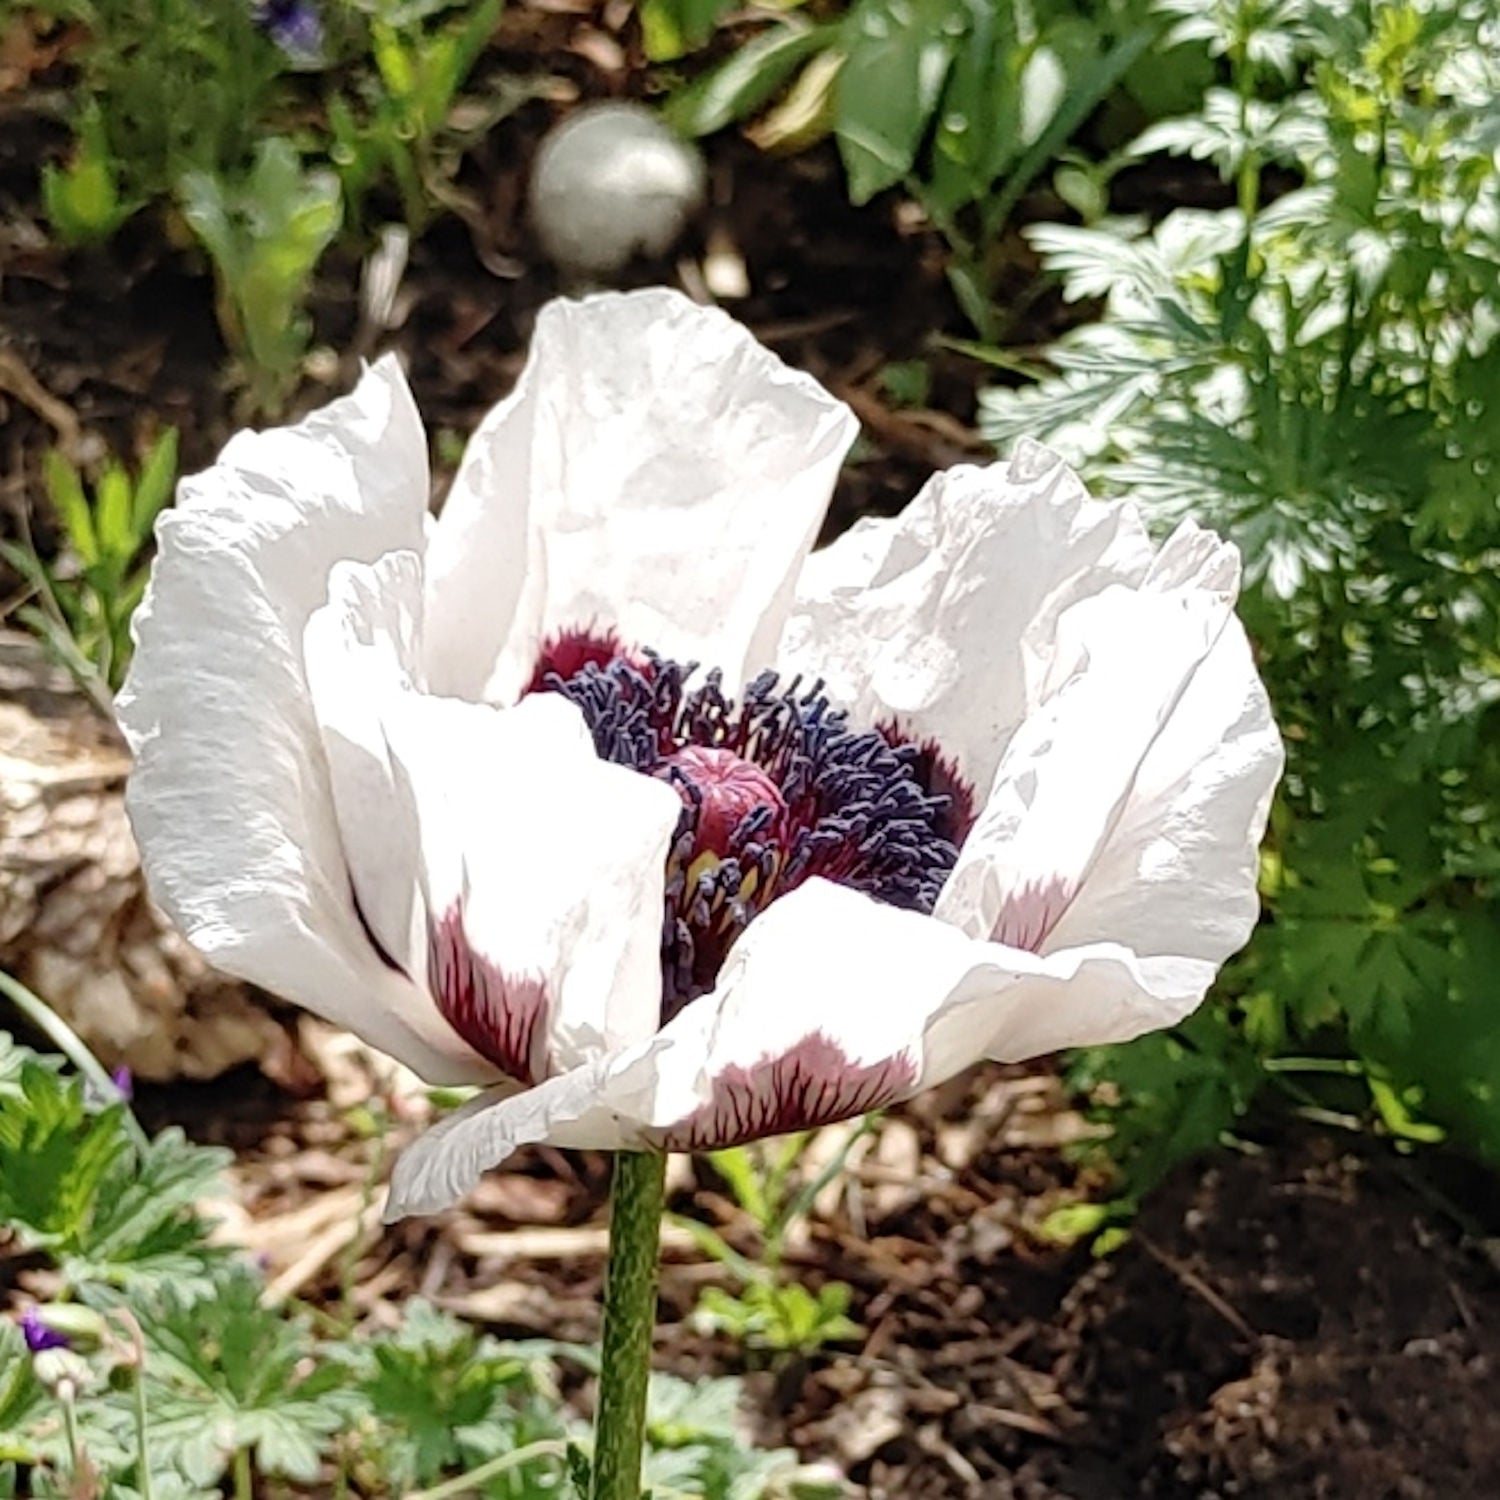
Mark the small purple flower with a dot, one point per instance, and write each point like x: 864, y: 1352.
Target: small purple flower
x: 294, y: 25
x: 38, y: 1335
x: 124, y: 1082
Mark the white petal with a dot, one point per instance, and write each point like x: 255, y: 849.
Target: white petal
x: 1103, y: 993
x: 656, y: 473
x: 1122, y: 662
x: 446, y: 1162
x: 821, y: 1013
x: 829, y: 1005
x: 833, y: 1003
x: 495, y: 856
x: 937, y: 621
x: 1177, y: 874
x: 1128, y: 808
x: 361, y: 650
x: 230, y: 799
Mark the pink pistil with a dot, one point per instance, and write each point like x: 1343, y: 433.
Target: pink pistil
x: 724, y: 789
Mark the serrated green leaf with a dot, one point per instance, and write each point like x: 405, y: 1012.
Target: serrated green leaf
x: 226, y: 1373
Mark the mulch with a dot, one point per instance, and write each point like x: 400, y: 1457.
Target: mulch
x: 1303, y: 1317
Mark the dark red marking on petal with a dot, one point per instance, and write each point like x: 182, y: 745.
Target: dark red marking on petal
x: 938, y: 774
x: 567, y: 653
x: 1032, y: 911
x: 502, y: 1017
x: 813, y: 1084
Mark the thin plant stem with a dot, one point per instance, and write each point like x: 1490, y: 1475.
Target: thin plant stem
x: 464, y: 1483
x: 142, y: 1446
x: 65, y: 1394
x: 137, y: 1361
x: 71, y: 1045
x: 629, y: 1318
x: 244, y: 1475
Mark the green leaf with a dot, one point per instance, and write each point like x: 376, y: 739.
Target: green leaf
x: 153, y: 489
x: 112, y: 512
x: 145, y: 1232
x: 83, y: 199
x: 1086, y: 87
x: 742, y: 1171
x: 225, y: 1373
x: 65, y: 490
x: 441, y: 1396
x: 54, y: 1156
x: 265, y: 236
x: 22, y: 1398
x: 899, y: 54
x: 671, y: 28
x: 747, y: 79
x: 979, y: 123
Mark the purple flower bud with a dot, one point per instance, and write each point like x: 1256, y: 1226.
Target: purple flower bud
x: 124, y: 1082
x: 37, y: 1335
x: 294, y: 25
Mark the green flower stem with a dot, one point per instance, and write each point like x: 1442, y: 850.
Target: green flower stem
x: 466, y: 1484
x: 71, y: 1045
x: 629, y: 1318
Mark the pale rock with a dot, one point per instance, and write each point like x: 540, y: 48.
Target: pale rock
x: 609, y: 183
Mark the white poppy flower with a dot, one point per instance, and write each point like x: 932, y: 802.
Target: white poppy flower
x: 604, y: 791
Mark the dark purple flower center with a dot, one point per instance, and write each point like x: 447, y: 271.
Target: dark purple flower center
x: 776, y: 788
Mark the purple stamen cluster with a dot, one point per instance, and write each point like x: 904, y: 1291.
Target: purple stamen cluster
x: 843, y: 804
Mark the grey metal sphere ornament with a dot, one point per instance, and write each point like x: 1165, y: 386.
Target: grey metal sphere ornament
x: 609, y: 183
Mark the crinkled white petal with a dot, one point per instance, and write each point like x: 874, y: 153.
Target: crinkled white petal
x: 494, y: 834
x: 656, y: 473
x: 230, y: 799
x: 1178, y: 871
x: 1129, y: 807
x: 940, y: 620
x: 1090, y: 996
x: 446, y: 1162
x: 1122, y: 661
x: 361, y: 651
x: 830, y: 1004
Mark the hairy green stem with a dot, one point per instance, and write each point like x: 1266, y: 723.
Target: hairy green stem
x: 629, y: 1318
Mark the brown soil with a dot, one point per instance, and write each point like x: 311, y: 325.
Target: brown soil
x: 1289, y: 1324
x: 1304, y: 1321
